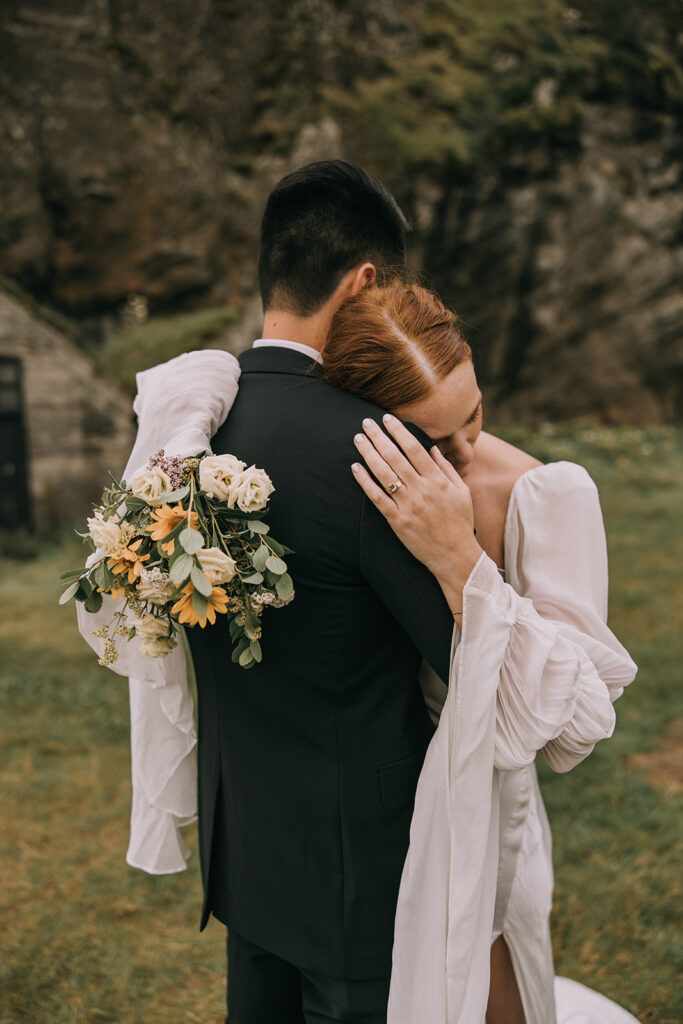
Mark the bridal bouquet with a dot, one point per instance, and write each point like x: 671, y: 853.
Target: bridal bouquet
x: 184, y: 541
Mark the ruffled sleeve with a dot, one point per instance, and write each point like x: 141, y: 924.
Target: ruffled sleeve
x: 563, y: 667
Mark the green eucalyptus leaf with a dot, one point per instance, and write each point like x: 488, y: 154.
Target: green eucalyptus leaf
x: 256, y: 526
x: 255, y: 648
x: 94, y: 602
x: 275, y: 546
x: 199, y: 603
x: 261, y: 558
x: 255, y: 577
x: 191, y: 540
x: 201, y: 581
x: 284, y: 587
x: 181, y: 568
x: 177, y: 495
x: 134, y: 503
x: 70, y: 591
x: 276, y: 565
x: 246, y: 658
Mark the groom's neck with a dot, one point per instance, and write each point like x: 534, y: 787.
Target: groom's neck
x: 308, y: 330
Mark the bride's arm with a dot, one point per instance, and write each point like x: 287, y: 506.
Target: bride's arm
x: 561, y: 666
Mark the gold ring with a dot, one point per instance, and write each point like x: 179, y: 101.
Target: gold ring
x: 392, y: 488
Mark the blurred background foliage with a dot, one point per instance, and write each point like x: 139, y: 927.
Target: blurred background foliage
x: 487, y: 76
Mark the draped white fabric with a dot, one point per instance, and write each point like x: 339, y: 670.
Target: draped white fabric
x: 536, y: 669
x: 179, y: 404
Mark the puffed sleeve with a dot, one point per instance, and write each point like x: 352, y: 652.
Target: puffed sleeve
x: 563, y: 667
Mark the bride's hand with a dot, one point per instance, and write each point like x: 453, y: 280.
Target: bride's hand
x: 431, y: 510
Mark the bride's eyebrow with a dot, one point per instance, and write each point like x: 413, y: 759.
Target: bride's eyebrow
x: 474, y: 412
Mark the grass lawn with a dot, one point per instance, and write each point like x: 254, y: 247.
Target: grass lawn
x: 87, y: 939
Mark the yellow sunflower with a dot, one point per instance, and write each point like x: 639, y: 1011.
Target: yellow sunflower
x: 165, y: 520
x: 128, y: 560
x: 216, y: 602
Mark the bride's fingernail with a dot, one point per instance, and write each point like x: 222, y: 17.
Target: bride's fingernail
x: 355, y: 467
x: 359, y: 438
x: 388, y: 418
x: 367, y: 424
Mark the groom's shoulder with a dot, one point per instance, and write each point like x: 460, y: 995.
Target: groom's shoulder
x: 297, y: 382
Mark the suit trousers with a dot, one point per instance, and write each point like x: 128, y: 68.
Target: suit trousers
x: 265, y: 989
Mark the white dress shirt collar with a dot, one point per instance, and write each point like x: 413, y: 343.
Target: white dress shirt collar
x: 307, y: 350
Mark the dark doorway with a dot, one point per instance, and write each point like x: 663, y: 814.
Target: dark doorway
x: 14, y: 503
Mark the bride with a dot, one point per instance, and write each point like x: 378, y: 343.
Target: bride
x: 553, y: 666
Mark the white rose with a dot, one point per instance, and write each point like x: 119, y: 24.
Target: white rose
x: 219, y: 567
x: 155, y: 586
x: 216, y: 472
x: 157, y: 647
x: 106, y: 533
x: 250, y: 490
x: 150, y: 484
x: 155, y: 640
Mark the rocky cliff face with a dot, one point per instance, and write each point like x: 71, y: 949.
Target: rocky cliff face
x: 139, y: 141
x: 570, y: 275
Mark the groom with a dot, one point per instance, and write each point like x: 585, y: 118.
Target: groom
x: 308, y: 762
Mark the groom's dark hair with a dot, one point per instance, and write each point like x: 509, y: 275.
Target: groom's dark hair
x: 319, y: 223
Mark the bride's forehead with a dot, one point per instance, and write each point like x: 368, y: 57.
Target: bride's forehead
x: 448, y: 405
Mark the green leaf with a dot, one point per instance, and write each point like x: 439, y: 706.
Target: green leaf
x: 255, y: 577
x: 275, y: 546
x: 101, y: 576
x: 94, y: 602
x: 191, y: 540
x: 199, y: 603
x: 201, y: 581
x: 246, y: 658
x: 181, y: 568
x: 85, y: 588
x: 134, y: 503
x: 255, y: 648
x: 261, y: 558
x: 71, y: 574
x: 276, y: 565
x: 67, y: 594
x: 175, y: 495
x: 251, y: 623
x: 256, y: 526
x: 240, y: 647
x: 284, y: 587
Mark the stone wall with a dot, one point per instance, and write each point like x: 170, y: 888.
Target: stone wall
x: 78, y: 425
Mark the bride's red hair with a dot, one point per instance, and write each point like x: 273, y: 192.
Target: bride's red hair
x: 391, y: 343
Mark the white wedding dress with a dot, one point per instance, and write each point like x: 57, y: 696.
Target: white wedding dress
x: 536, y: 669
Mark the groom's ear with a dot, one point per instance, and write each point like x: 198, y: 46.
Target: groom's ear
x: 358, y: 278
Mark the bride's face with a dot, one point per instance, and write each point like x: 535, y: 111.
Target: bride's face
x: 451, y: 415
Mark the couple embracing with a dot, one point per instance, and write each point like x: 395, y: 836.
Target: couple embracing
x: 371, y: 828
